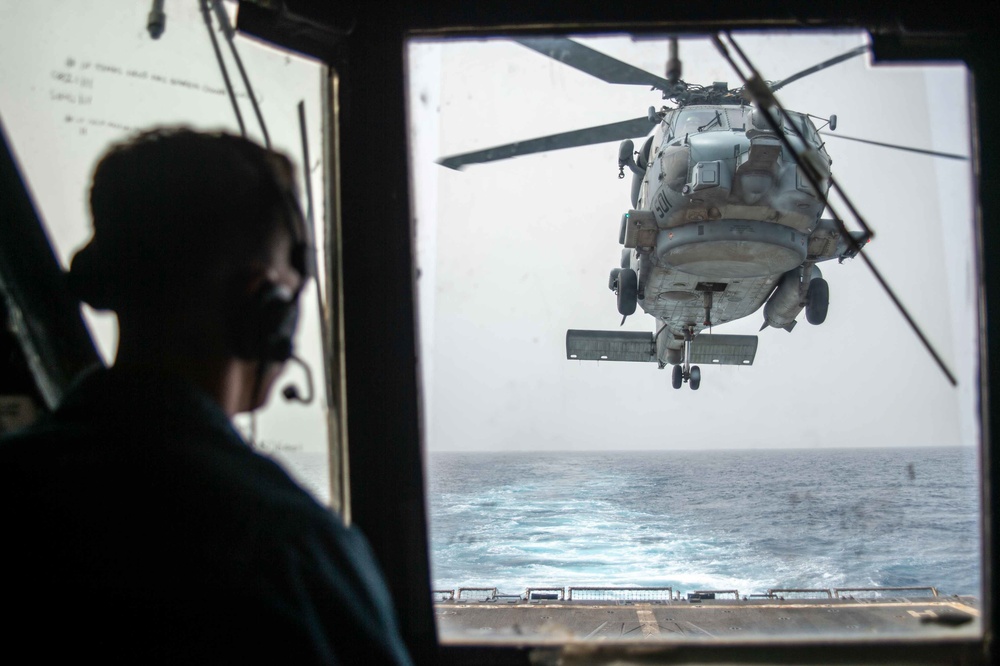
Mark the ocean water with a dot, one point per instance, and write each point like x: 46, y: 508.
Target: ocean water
x: 716, y: 520
x: 705, y: 520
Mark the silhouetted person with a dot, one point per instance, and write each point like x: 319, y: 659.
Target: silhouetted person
x: 138, y: 525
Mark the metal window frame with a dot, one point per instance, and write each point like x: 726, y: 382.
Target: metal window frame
x: 379, y: 310
x: 375, y: 322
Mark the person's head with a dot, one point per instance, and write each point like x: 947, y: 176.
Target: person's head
x: 199, y: 247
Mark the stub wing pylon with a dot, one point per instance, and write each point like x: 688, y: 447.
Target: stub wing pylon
x: 610, y: 346
x: 710, y: 349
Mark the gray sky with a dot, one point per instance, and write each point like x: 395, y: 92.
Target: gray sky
x: 515, y: 252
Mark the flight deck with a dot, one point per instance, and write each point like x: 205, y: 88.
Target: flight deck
x: 552, y: 614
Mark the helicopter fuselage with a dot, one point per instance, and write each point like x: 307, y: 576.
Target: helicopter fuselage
x: 724, y: 222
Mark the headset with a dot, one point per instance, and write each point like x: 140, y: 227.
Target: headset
x: 262, y: 326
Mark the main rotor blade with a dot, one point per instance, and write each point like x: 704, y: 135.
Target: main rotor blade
x: 626, y: 129
x: 923, y: 151
x: 816, y: 68
x: 592, y: 62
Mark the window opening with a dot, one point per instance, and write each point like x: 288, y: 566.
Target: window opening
x: 79, y: 79
x: 823, y: 467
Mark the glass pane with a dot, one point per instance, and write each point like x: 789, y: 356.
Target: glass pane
x: 698, y: 120
x: 81, y: 74
x: 841, y: 460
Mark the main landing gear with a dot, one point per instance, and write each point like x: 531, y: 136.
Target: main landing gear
x: 817, y: 301
x: 685, y: 372
x: 625, y: 283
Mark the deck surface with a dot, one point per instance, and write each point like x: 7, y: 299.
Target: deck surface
x: 680, y: 620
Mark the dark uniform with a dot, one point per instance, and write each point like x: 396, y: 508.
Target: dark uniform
x: 139, y: 527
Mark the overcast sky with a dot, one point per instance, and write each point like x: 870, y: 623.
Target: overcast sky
x: 514, y: 253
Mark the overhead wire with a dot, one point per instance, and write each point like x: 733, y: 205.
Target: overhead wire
x: 229, y: 33
x: 765, y: 99
x: 206, y: 15
x: 922, y: 151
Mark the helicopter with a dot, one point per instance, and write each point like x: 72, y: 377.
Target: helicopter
x: 723, y: 221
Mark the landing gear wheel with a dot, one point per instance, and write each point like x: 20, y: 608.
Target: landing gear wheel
x: 695, y: 380
x: 676, y: 376
x: 628, y: 291
x: 626, y: 261
x: 817, y: 301
x: 613, y: 279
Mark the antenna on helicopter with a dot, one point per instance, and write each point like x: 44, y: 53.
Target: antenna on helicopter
x: 830, y: 122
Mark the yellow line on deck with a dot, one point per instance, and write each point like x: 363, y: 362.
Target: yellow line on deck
x: 647, y: 623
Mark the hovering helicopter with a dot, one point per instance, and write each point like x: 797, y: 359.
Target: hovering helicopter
x: 724, y: 219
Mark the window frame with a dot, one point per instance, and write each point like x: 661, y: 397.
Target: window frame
x: 376, y: 51
x: 375, y: 345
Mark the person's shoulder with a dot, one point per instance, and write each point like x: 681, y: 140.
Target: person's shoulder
x: 40, y: 440
x: 247, y: 487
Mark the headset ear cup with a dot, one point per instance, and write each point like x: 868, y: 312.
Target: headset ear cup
x: 242, y: 330
x: 263, y: 327
x: 281, y: 317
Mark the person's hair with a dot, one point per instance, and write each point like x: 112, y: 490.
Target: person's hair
x: 174, y: 209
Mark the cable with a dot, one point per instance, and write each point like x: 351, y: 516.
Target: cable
x: 764, y: 98
x: 222, y: 66
x: 227, y: 30
x: 306, y: 172
x: 921, y: 151
x: 807, y: 167
x: 290, y: 392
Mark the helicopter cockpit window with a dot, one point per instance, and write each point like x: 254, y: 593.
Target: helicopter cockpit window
x: 90, y: 74
x: 700, y: 120
x: 736, y: 118
x: 592, y: 497
x: 805, y: 127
